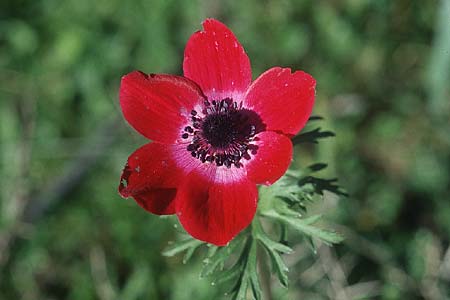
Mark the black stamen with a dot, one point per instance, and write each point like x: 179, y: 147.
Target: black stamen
x: 223, y: 133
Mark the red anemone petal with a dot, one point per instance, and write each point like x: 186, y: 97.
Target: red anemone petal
x: 272, y: 158
x: 283, y: 100
x: 157, y: 106
x: 157, y: 201
x: 151, y: 178
x: 215, y: 60
x: 215, y: 212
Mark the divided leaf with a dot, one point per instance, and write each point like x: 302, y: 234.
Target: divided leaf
x: 305, y: 226
x: 274, y: 250
x: 189, y: 245
x: 312, y: 136
x: 284, y: 203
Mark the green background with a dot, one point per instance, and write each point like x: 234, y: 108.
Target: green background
x: 382, y: 69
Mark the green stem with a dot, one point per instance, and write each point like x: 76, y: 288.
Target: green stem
x: 263, y: 268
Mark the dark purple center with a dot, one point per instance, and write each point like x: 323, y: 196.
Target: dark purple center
x: 223, y: 133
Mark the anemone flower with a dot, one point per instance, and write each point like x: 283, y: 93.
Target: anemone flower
x: 215, y: 134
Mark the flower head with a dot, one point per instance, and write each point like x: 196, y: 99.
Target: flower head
x: 215, y: 134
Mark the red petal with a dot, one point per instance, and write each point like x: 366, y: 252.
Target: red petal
x: 215, y: 60
x: 283, y: 100
x: 151, y: 178
x: 157, y: 201
x: 157, y: 106
x: 272, y: 158
x: 215, y: 212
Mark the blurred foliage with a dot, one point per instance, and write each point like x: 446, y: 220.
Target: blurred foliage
x: 382, y: 69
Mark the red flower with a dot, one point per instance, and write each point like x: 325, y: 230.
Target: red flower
x: 216, y: 134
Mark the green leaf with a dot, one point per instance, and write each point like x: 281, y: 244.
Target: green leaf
x: 217, y: 256
x: 311, y: 219
x: 315, y: 118
x: 252, y: 271
x: 273, y: 249
x: 312, y: 136
x: 317, y: 167
x: 306, y: 226
x: 249, y: 277
x: 320, y: 185
x: 297, y: 189
x: 230, y: 274
x: 243, y: 273
x: 189, y: 245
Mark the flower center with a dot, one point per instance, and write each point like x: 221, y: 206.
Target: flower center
x: 222, y: 133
